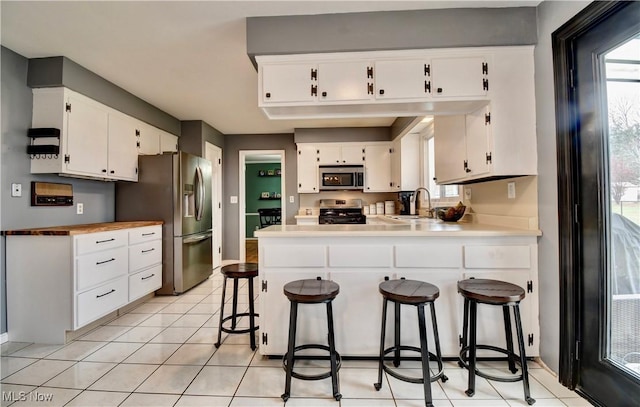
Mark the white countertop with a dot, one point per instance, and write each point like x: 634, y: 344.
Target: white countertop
x: 427, y: 228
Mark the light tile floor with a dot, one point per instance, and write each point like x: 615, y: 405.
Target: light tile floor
x: 162, y: 354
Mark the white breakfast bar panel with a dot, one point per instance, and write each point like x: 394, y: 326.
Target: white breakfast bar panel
x: 359, y: 257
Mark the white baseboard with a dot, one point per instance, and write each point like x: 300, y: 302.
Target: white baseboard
x: 4, y: 337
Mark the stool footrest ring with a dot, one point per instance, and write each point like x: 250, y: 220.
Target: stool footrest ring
x: 238, y: 331
x: 432, y: 378
x: 319, y: 376
x: 463, y: 361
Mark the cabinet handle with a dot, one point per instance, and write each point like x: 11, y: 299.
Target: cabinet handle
x: 147, y: 277
x: 149, y: 250
x: 267, y: 95
x: 381, y: 91
x: 105, y: 241
x: 113, y: 290
x: 324, y: 94
x: 106, y: 261
x: 439, y: 90
x: 149, y: 234
x: 112, y: 172
x: 104, y: 170
x: 427, y: 86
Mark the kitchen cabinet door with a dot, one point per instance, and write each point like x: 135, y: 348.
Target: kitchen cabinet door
x: 308, y: 169
x: 345, y: 81
x: 168, y: 142
x: 402, y: 79
x: 340, y: 155
x: 86, y: 140
x: 458, y: 77
x: 274, y: 310
x: 288, y: 83
x: 450, y: 147
x: 122, y: 148
x: 377, y: 167
x: 405, y: 163
x: 477, y: 140
x: 149, y: 140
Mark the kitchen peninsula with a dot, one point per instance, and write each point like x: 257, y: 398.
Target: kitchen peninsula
x: 359, y: 257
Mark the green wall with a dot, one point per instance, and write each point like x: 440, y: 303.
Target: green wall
x: 255, y: 185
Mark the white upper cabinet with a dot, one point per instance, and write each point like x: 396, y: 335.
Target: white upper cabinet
x: 289, y: 82
x: 148, y: 140
x: 402, y: 79
x: 459, y: 77
x: 123, y: 152
x: 95, y: 141
x: 329, y: 154
x: 168, y: 142
x: 345, y: 81
x: 308, y: 178
x: 405, y: 162
x: 377, y: 167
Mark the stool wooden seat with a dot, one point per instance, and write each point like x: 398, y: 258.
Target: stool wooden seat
x: 236, y: 272
x: 508, y: 296
x: 316, y: 291
x: 418, y: 294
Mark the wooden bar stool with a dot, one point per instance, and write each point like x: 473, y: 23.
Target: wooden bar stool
x: 418, y: 294
x: 236, y: 272
x: 508, y: 296
x: 316, y: 291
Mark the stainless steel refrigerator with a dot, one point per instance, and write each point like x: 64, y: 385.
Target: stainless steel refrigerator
x: 174, y: 188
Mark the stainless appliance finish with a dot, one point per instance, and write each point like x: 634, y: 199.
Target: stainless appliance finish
x: 341, y: 177
x: 174, y: 188
x: 341, y: 211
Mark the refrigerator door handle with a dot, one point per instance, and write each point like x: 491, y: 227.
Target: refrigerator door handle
x: 200, y: 192
x: 197, y: 239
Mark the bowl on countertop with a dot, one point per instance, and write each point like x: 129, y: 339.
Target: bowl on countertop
x: 450, y: 213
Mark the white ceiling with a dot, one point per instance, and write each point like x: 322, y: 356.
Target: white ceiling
x: 186, y: 58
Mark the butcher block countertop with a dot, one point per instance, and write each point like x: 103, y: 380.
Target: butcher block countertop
x: 70, y: 230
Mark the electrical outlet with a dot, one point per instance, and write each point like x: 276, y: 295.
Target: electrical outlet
x: 233, y: 199
x: 79, y: 208
x: 511, y: 190
x: 467, y: 193
x: 16, y: 190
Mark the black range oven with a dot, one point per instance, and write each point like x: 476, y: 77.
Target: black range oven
x: 341, y: 211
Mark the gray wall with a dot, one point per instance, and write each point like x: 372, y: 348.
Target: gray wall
x: 195, y: 133
x: 230, y: 166
x: 18, y: 213
x: 61, y: 71
x: 390, y: 30
x: 551, y: 15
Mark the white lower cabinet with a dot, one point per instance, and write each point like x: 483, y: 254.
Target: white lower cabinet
x: 359, y: 264
x: 77, y: 278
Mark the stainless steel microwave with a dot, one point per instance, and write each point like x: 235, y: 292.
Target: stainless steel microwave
x: 342, y: 177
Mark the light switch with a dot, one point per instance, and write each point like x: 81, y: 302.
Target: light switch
x: 291, y: 199
x: 233, y: 199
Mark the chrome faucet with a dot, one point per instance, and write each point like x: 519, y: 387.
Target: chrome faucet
x: 416, y: 201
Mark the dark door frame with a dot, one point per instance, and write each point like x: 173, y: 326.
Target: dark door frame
x: 568, y: 159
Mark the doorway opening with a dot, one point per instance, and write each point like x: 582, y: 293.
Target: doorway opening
x: 260, y: 198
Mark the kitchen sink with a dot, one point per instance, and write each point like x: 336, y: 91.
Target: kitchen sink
x: 410, y: 218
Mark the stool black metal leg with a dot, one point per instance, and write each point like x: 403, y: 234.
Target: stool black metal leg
x: 293, y: 318
x: 378, y: 385
x: 509, y: 338
x: 235, y: 303
x: 332, y: 354
x: 252, y: 315
x: 224, y: 291
x: 436, y: 339
x: 424, y: 357
x: 523, y: 357
x: 473, y: 308
x: 465, y: 327
x: 396, y: 354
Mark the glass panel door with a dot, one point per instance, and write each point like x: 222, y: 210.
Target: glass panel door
x: 622, y: 71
